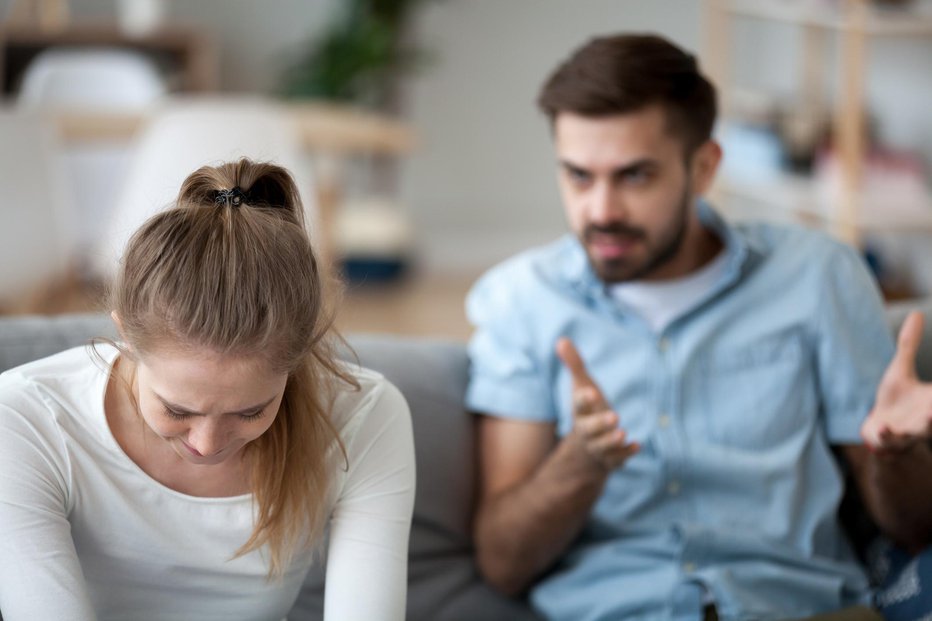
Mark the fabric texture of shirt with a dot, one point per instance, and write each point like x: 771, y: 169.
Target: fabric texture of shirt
x: 735, y: 490
x: 88, y: 535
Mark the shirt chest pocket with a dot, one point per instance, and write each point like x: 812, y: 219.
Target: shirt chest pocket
x: 758, y: 396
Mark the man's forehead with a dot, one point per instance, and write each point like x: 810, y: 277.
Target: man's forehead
x: 614, y: 141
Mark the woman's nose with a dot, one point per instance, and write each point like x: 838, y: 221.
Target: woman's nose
x: 207, y: 437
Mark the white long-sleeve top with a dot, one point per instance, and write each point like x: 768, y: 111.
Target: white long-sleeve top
x: 85, y: 534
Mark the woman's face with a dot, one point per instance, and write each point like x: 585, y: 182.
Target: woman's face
x: 207, y: 406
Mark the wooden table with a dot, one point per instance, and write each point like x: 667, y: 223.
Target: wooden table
x: 332, y: 133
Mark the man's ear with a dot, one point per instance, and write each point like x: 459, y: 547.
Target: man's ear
x: 705, y: 162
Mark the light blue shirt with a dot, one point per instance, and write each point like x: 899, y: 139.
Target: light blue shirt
x: 735, y: 491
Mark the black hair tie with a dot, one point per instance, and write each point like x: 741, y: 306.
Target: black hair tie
x: 233, y: 198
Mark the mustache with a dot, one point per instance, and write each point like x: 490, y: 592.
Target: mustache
x: 616, y: 229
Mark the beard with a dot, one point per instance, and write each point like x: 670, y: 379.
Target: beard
x: 661, y: 249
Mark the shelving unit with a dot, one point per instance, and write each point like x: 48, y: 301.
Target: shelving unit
x: 186, y: 55
x: 854, y: 22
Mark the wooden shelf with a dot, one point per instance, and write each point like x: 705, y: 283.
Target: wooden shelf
x: 883, y: 22
x: 340, y: 129
x: 181, y: 50
x: 808, y: 201
x: 854, y: 22
x: 326, y: 128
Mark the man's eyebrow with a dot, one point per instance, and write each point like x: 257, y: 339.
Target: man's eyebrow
x: 183, y: 410
x: 570, y: 166
x: 636, y: 165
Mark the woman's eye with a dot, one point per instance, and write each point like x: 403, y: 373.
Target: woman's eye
x: 176, y: 415
x: 251, y: 417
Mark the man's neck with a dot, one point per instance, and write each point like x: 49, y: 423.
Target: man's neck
x: 699, y: 247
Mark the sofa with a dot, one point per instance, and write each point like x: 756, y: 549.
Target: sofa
x: 444, y: 584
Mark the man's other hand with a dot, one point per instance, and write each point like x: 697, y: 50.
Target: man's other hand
x: 902, y: 413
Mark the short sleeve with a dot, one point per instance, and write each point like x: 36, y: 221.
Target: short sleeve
x: 506, y: 375
x: 367, y: 558
x: 40, y: 575
x: 854, y: 345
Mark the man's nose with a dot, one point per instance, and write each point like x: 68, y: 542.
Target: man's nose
x: 606, y: 204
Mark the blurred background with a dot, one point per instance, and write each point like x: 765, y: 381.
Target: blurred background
x: 412, y: 130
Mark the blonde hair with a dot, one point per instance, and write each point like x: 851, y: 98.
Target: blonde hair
x: 231, y: 269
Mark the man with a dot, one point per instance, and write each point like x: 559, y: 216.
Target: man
x: 662, y: 388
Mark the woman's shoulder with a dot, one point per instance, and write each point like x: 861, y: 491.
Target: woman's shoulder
x: 43, y: 390
x: 375, y: 398
x: 57, y: 368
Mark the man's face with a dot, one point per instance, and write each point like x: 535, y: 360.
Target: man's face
x: 627, y: 193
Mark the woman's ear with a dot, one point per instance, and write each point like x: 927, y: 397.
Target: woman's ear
x: 119, y: 326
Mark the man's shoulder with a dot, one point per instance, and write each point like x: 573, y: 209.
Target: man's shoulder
x: 777, y: 235
x: 533, y: 283
x: 556, y: 260
x: 791, y: 243
x: 808, y: 266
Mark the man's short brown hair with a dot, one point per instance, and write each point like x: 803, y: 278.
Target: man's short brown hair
x: 626, y: 73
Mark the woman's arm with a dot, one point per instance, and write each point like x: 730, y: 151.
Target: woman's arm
x: 40, y: 575
x: 368, y: 555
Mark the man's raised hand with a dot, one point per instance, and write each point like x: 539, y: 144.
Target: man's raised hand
x: 595, y: 424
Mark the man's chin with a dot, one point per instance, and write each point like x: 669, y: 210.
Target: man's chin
x: 614, y: 271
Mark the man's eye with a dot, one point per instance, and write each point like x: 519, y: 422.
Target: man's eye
x: 636, y: 177
x: 577, y: 176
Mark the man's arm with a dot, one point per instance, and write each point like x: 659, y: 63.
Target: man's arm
x: 894, y: 469
x: 896, y: 487
x: 535, y: 492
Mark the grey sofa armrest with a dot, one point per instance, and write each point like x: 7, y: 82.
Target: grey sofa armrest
x: 27, y: 338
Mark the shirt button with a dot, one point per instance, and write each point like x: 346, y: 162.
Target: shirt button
x: 689, y: 567
x: 673, y: 487
x: 664, y: 421
x: 663, y: 344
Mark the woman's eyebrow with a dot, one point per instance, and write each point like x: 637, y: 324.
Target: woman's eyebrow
x: 183, y: 410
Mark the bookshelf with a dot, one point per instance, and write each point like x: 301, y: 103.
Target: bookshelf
x: 847, y: 211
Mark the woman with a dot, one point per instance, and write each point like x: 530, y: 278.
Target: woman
x: 190, y: 470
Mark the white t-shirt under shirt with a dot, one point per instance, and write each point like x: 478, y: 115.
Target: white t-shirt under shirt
x: 660, y: 302
x: 86, y: 534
